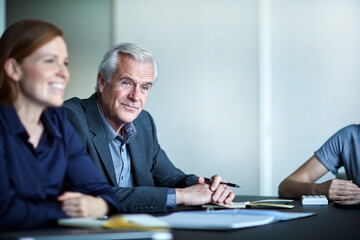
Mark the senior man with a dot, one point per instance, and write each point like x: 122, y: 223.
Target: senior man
x: 121, y: 138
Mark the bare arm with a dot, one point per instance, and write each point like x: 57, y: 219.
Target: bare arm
x: 302, y: 181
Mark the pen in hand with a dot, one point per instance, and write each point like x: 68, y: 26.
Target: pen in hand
x: 226, y: 183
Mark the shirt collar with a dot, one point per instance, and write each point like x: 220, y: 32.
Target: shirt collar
x: 15, y: 126
x: 50, y: 123
x: 12, y: 120
x: 129, y: 130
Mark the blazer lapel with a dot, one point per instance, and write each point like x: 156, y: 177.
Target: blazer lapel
x: 137, y: 164
x: 99, y: 140
x: 139, y: 161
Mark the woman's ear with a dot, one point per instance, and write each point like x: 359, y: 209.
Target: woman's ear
x: 12, y: 69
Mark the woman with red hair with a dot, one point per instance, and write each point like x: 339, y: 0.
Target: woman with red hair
x: 45, y: 172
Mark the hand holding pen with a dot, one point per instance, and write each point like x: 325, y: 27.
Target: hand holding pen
x: 221, y: 191
x: 226, y: 183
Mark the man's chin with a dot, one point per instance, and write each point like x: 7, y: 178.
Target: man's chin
x: 130, y: 117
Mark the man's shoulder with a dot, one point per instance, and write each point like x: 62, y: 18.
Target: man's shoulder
x: 77, y: 105
x: 76, y: 109
x: 143, y: 118
x: 75, y: 102
x: 345, y: 139
x: 351, y: 131
x: 143, y: 115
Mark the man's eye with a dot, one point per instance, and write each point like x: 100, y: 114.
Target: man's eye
x: 125, y: 83
x: 145, y: 88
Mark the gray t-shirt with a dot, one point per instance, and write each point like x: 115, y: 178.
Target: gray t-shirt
x: 343, y: 149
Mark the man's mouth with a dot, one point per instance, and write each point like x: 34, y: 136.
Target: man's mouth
x: 130, y: 106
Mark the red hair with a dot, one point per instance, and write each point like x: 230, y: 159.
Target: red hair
x: 20, y: 40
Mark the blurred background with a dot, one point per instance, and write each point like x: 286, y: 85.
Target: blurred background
x: 248, y: 89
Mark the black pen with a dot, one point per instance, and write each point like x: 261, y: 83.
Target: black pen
x: 226, y: 183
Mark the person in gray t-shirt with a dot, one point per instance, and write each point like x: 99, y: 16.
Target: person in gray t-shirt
x: 342, y: 149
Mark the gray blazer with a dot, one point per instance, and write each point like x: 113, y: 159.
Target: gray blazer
x: 152, y: 170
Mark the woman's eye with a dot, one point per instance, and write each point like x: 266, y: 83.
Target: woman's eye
x: 49, y: 61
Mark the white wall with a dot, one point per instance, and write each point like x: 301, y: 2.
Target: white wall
x: 2, y: 16
x: 209, y: 103
x: 87, y: 28
x: 316, y: 77
x: 206, y: 101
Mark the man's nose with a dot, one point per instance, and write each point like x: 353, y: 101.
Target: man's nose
x: 135, y: 93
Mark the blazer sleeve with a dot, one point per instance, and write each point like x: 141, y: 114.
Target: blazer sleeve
x: 164, y: 172
x: 81, y: 174
x: 153, y: 172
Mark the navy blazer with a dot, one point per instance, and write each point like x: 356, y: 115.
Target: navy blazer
x: 152, y: 170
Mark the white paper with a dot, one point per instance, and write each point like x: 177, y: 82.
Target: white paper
x: 227, y: 219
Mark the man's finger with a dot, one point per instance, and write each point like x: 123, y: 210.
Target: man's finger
x: 216, y: 182
x: 217, y: 193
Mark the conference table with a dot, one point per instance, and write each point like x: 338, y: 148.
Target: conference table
x: 329, y: 222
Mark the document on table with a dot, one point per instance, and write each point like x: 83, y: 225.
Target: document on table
x: 128, y: 226
x: 121, y: 221
x: 266, y: 203
x: 213, y: 219
x: 228, y: 219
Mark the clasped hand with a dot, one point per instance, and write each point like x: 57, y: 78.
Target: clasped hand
x: 205, y: 192
x: 341, y: 190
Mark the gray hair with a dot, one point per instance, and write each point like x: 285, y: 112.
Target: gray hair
x: 108, y: 65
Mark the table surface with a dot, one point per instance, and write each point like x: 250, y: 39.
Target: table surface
x: 329, y: 222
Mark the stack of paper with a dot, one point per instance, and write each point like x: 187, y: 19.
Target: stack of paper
x: 227, y: 219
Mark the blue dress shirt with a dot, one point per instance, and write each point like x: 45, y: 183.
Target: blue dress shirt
x: 31, y: 178
x: 121, y: 157
x: 119, y: 154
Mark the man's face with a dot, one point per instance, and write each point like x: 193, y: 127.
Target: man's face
x: 124, y: 97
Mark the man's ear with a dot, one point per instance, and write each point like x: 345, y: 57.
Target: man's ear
x: 12, y: 69
x: 100, y: 83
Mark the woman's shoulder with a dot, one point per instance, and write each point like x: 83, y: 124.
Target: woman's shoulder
x: 56, y: 113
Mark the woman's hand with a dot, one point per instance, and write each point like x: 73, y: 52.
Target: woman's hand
x: 76, y: 204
